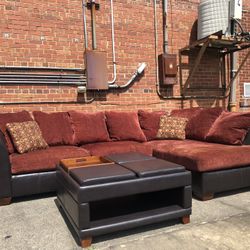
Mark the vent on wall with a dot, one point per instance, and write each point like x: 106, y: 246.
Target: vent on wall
x: 246, y: 89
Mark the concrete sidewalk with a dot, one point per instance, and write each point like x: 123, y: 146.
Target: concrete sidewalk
x: 222, y: 223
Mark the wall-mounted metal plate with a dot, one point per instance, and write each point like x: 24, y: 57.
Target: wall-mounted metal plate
x: 96, y: 70
x: 167, y: 68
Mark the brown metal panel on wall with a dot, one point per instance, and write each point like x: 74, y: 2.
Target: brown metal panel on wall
x: 96, y: 70
x: 167, y: 69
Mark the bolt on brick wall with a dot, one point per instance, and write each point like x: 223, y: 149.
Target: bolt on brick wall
x: 50, y: 34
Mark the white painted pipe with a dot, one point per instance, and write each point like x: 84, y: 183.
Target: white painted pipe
x: 113, y: 43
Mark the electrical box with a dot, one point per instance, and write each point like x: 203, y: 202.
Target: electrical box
x: 167, y: 64
x: 96, y: 70
x: 236, y: 9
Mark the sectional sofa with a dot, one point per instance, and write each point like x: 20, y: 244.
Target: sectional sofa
x: 214, y: 150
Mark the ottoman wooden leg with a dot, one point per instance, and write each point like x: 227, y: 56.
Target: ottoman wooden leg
x: 5, y: 201
x: 185, y: 219
x: 86, y: 242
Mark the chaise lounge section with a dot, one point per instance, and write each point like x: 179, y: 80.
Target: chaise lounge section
x: 215, y: 167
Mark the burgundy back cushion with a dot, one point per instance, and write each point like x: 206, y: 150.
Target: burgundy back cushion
x: 190, y: 114
x: 56, y: 127
x: 89, y: 127
x: 230, y: 128
x: 124, y: 126
x: 149, y: 122
x: 22, y: 116
x: 202, y: 122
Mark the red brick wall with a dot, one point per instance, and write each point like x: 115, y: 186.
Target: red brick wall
x: 245, y: 73
x: 50, y: 34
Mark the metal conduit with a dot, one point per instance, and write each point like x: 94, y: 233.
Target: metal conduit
x: 45, y: 102
x: 42, y: 79
x: 40, y: 68
x: 85, y: 24
x: 165, y: 26
x: 84, y: 5
x: 113, y: 43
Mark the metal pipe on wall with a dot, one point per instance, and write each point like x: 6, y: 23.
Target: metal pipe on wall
x: 113, y: 43
x: 165, y: 26
x: 39, y: 68
x: 165, y: 50
x: 233, y: 66
x: 93, y: 21
x: 85, y: 24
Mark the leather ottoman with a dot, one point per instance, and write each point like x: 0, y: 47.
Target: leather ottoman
x: 123, y: 191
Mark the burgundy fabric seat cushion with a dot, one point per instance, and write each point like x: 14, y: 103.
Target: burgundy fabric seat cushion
x: 43, y: 160
x: 203, y: 156
x: 56, y: 127
x: 150, y: 122
x: 124, y: 126
x: 154, y: 144
x: 89, y: 127
x: 22, y: 116
x: 106, y: 148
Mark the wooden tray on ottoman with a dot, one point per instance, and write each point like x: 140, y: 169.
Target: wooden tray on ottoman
x: 81, y: 162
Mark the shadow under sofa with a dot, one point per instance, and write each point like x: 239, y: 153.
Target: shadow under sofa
x: 34, y: 172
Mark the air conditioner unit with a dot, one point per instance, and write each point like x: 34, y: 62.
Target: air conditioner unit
x: 246, y: 89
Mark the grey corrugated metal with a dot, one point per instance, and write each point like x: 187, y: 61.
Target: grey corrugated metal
x: 213, y: 16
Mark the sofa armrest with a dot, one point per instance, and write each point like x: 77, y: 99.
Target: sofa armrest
x: 5, y: 169
x: 247, y: 138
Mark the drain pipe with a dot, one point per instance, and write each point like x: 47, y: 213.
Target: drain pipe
x: 113, y: 42
x: 233, y: 66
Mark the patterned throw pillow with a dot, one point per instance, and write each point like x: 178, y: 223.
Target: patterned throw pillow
x: 172, y: 127
x: 26, y: 136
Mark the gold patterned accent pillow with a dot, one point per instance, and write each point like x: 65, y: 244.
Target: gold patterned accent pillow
x: 26, y: 136
x: 172, y: 127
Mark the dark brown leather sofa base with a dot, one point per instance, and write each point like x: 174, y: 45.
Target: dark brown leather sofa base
x: 215, y: 167
x: 206, y: 184
x: 125, y: 197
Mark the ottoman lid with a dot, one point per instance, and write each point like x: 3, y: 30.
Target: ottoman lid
x: 128, y: 157
x: 153, y: 167
x: 100, y: 174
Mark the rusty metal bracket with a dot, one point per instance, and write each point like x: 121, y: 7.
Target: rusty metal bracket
x: 238, y: 71
x: 90, y: 3
x: 197, y: 61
